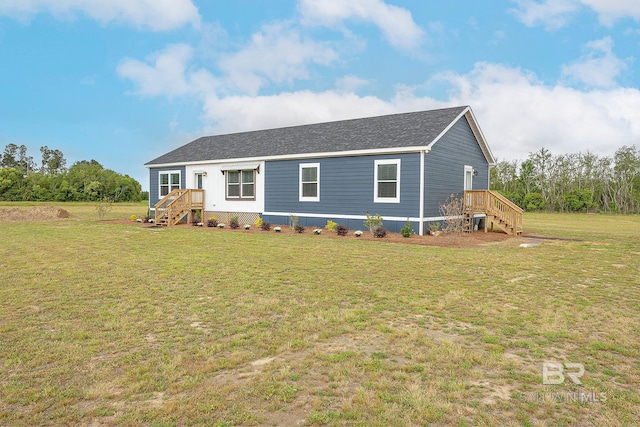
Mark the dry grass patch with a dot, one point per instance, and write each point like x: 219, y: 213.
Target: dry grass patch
x: 120, y: 324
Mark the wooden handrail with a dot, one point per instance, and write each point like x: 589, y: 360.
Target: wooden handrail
x: 177, y: 202
x: 496, y: 205
x: 506, y: 201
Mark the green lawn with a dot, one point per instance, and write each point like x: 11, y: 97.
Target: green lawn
x: 120, y: 324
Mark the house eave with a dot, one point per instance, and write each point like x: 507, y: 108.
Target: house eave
x: 370, y: 152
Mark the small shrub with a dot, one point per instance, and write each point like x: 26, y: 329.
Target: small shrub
x: 317, y: 231
x: 264, y: 225
x: 221, y: 225
x: 434, y: 226
x: 133, y: 217
x: 406, y: 231
x: 233, y: 222
x: 331, y: 225
x: 145, y: 220
x: 103, y: 207
x: 258, y: 222
x: 453, y: 211
x: 212, y: 222
x: 357, y: 233
x: 293, y: 221
x: 342, y: 230
x: 299, y: 228
x: 247, y: 226
x: 373, y: 222
x: 277, y: 229
x: 379, y: 232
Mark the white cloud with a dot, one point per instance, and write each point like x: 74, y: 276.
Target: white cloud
x: 165, y: 77
x: 598, y: 68
x: 396, y: 23
x: 554, y: 14
x: 275, y: 54
x: 240, y: 113
x: 350, y: 84
x: 156, y: 15
x: 519, y: 114
x: 611, y: 10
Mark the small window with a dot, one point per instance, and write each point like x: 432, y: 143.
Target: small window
x: 241, y: 184
x: 387, y: 181
x: 310, y: 182
x: 169, y: 181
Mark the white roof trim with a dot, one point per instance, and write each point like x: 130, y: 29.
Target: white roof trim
x: 473, y: 123
x: 367, y: 152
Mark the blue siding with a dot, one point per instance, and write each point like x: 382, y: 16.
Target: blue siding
x: 444, y: 166
x: 346, y: 186
x: 154, y: 182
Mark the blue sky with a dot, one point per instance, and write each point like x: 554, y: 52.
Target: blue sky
x: 124, y: 81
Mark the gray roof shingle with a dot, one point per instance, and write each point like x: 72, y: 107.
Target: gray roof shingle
x: 391, y: 131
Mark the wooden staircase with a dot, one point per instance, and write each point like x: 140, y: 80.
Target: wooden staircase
x: 498, y: 209
x: 177, y: 205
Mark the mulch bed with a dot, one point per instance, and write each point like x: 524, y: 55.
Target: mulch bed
x: 463, y: 240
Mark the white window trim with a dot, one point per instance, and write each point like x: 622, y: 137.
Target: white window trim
x: 377, y: 199
x: 300, y: 196
x: 240, y: 184
x: 169, y: 172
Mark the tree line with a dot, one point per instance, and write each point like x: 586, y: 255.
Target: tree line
x: 582, y: 182
x: 21, y: 178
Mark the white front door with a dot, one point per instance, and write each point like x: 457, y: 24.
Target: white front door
x: 468, y: 178
x: 198, y: 180
x: 468, y: 184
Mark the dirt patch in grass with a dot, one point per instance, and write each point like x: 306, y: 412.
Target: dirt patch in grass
x: 36, y: 213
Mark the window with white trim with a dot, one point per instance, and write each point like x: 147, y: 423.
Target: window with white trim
x: 241, y: 184
x: 387, y: 181
x: 169, y: 181
x: 310, y: 182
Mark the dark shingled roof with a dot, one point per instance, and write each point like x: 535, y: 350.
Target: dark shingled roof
x: 391, y: 131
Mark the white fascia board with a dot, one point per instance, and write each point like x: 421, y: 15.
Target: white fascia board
x: 369, y: 152
x: 473, y: 123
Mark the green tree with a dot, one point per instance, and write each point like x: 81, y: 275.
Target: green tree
x: 53, y: 161
x: 11, y: 183
x: 10, y: 156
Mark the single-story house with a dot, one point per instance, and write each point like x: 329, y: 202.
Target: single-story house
x: 401, y: 166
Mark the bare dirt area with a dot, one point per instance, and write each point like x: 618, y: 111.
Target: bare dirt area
x: 36, y: 213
